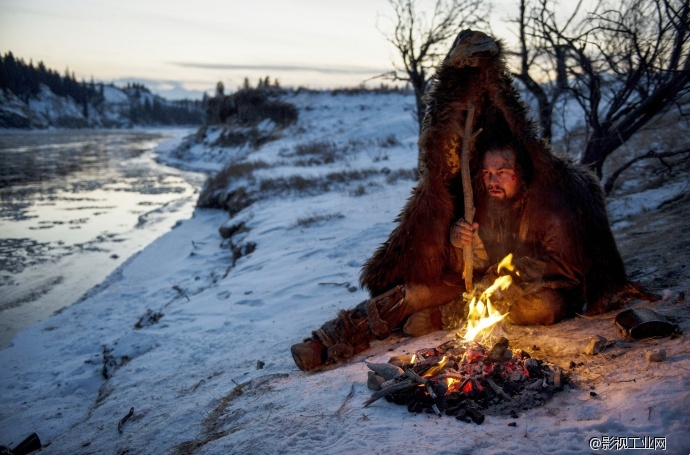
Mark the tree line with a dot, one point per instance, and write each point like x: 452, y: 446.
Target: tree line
x: 149, y: 109
x: 25, y: 80
x: 250, y: 105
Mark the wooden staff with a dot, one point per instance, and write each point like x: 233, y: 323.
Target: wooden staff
x: 467, y: 139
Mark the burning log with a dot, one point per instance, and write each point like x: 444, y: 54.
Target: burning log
x: 415, y: 377
x: 461, y: 377
x: 497, y: 388
x: 374, y: 381
x: 465, y: 379
x: 386, y: 370
x: 404, y: 385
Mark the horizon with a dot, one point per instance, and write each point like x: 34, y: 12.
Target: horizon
x: 183, y: 52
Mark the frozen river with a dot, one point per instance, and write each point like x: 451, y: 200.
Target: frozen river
x: 74, y: 205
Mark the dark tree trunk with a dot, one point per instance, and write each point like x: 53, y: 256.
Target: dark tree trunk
x: 545, y: 106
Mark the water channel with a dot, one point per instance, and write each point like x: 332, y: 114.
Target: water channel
x: 74, y: 205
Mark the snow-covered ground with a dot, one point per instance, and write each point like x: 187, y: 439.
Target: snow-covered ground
x: 200, y: 350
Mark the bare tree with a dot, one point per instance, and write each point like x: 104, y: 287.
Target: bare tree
x: 623, y: 63
x: 422, y: 40
x: 541, y: 66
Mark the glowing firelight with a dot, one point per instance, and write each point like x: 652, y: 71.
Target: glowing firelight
x: 507, y: 264
x: 482, y: 316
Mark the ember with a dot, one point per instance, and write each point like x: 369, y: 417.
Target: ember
x: 465, y: 379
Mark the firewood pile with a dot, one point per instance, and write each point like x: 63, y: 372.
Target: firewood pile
x: 466, y: 380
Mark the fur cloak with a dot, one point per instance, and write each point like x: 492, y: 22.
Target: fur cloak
x: 418, y: 249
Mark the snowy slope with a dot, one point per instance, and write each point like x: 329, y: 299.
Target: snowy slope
x: 48, y: 110
x: 209, y: 370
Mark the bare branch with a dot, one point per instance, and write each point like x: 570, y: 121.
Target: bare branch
x: 608, y: 186
x: 623, y: 63
x: 421, y: 38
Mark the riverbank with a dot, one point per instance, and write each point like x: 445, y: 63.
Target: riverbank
x: 75, y: 205
x: 196, y: 343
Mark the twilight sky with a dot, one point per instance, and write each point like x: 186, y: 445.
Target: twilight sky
x: 182, y: 48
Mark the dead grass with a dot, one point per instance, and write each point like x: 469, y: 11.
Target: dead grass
x: 214, y: 193
x: 312, y: 220
x: 253, y: 136
x: 299, y: 184
x: 389, y: 141
x: 402, y: 174
x: 359, y: 191
x: 315, y: 153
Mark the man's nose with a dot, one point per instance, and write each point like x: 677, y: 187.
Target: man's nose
x: 493, y: 178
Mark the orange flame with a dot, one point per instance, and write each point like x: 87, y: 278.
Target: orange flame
x: 482, y: 316
x: 507, y: 263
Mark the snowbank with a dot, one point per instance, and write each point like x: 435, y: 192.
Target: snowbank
x: 200, y: 349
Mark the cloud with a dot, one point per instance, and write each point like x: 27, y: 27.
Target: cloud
x: 286, y: 68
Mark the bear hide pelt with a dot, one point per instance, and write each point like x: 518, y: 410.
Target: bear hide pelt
x: 418, y: 249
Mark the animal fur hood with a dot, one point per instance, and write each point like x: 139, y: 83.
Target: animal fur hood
x: 418, y: 249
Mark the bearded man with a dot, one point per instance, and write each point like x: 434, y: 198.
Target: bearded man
x: 547, y: 260
x: 547, y: 257
x: 546, y: 211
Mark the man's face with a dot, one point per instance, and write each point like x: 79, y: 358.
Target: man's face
x: 498, y: 173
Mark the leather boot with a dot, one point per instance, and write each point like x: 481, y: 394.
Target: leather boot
x: 351, y: 332
x: 309, y: 354
x: 449, y: 316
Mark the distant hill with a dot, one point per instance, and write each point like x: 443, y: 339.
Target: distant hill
x: 35, y: 97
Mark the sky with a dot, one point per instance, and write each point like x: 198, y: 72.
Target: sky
x: 183, y: 48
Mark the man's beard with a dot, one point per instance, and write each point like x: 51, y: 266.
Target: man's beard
x: 497, y: 208
x: 501, y: 208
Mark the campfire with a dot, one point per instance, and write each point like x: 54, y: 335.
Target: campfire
x: 474, y: 374
x: 481, y: 316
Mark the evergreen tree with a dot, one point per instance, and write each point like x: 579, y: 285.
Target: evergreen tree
x: 25, y: 79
